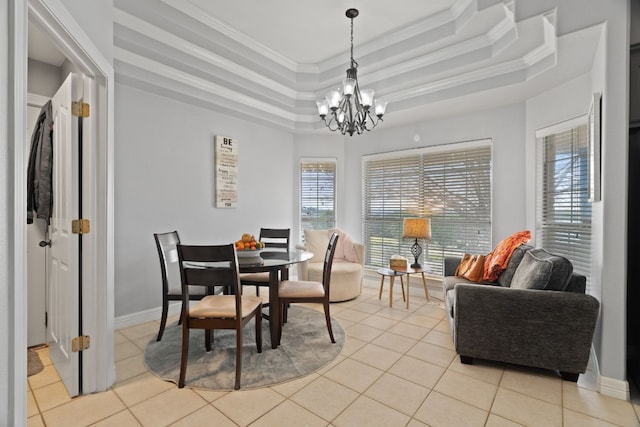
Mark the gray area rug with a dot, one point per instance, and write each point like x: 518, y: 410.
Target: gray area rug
x: 34, y: 364
x: 305, y: 347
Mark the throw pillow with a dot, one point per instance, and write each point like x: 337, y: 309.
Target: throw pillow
x: 471, y: 267
x: 344, y: 248
x: 516, y: 257
x: 541, y: 270
x: 496, y: 262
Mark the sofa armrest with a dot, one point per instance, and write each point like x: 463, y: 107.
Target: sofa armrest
x: 547, y: 329
x: 451, y: 265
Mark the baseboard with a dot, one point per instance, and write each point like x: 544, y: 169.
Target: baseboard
x: 611, y: 387
x: 133, y: 319
x: 614, y: 388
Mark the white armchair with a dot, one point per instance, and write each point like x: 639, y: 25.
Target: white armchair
x: 348, y: 263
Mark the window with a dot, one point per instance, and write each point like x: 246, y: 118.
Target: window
x: 563, y: 217
x: 317, y: 193
x: 449, y: 184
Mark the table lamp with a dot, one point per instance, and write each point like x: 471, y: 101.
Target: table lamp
x: 416, y: 228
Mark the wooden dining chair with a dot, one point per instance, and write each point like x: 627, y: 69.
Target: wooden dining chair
x: 166, y: 243
x: 295, y: 291
x: 208, y: 266
x: 275, y: 239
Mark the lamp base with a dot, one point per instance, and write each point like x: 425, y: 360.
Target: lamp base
x: 416, y: 250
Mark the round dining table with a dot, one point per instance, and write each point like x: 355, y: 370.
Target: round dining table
x: 277, y: 265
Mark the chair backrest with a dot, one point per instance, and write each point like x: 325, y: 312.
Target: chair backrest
x: 168, y: 254
x: 210, y: 266
x: 328, y: 262
x: 275, y: 238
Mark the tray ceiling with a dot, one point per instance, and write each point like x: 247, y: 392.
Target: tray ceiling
x: 269, y: 61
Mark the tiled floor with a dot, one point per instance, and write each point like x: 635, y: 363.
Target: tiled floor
x: 398, y: 368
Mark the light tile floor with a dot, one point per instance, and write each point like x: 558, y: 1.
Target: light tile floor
x: 398, y: 368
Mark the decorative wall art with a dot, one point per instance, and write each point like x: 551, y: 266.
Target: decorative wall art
x: 594, y: 148
x: 226, y: 161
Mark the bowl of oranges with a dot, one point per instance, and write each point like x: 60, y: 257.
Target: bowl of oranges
x: 248, y: 247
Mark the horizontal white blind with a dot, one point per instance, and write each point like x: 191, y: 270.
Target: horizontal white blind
x: 451, y: 185
x: 457, y: 189
x: 317, y: 194
x: 563, y: 209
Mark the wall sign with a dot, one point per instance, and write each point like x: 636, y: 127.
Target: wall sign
x: 226, y: 172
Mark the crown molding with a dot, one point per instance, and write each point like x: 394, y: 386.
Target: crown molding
x: 149, y: 30
x: 455, y: 17
x: 494, y: 51
x: 154, y: 67
x: 193, y: 11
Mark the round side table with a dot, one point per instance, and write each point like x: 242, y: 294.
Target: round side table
x: 392, y: 274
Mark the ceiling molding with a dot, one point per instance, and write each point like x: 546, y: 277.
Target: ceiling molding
x: 453, y: 19
x: 457, y: 52
x: 154, y: 67
x: 188, y: 8
x: 148, y: 30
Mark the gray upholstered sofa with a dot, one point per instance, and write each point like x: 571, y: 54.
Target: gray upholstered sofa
x: 536, y: 314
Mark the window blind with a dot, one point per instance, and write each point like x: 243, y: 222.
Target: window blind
x: 450, y: 184
x: 317, y: 194
x: 563, y: 210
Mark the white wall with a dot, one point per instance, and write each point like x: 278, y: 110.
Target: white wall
x: 10, y: 369
x: 504, y: 126
x: 615, y: 141
x: 164, y: 181
x: 96, y: 20
x: 43, y: 79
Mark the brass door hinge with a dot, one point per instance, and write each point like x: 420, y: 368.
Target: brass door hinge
x: 80, y: 109
x: 80, y: 226
x: 80, y: 343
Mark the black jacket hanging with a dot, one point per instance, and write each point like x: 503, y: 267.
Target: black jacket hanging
x: 40, y: 167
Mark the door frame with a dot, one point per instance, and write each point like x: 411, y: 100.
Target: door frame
x: 98, y: 274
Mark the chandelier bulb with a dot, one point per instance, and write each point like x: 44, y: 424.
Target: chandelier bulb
x: 349, y: 86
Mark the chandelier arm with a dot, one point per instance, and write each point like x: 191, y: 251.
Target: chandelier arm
x: 333, y: 120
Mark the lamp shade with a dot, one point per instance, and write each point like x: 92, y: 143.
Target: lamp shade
x: 416, y: 228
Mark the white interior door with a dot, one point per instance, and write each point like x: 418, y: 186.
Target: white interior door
x: 63, y: 325
x: 36, y: 261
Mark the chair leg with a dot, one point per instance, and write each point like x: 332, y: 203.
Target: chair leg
x: 257, y: 291
x: 259, y: 329
x: 281, y: 320
x: 327, y: 316
x: 285, y: 313
x: 163, y: 319
x: 238, y: 357
x: 207, y: 339
x: 184, y: 357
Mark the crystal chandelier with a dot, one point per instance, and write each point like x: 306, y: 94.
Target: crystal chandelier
x: 350, y: 111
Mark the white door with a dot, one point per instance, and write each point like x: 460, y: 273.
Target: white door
x: 36, y: 260
x: 63, y: 284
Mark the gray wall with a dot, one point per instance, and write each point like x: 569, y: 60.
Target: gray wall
x: 43, y: 79
x: 96, y: 20
x: 8, y: 365
x: 164, y: 181
x: 504, y: 126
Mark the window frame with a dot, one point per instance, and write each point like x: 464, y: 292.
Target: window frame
x: 577, y: 243
x: 393, y: 225
x: 317, y: 161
